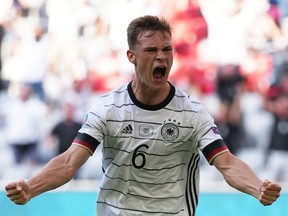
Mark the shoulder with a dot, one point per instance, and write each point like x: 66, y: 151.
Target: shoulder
x: 188, y: 101
x: 114, y: 98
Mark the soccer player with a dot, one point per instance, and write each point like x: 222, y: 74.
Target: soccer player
x: 152, y: 134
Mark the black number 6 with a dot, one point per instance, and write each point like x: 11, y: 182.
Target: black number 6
x: 139, y: 154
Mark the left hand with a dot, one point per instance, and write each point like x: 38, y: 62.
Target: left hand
x: 269, y: 192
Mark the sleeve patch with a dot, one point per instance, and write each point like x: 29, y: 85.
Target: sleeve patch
x: 215, y: 130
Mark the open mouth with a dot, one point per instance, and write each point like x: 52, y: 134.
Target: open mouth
x: 159, y: 72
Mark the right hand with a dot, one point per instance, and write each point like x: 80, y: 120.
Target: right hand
x: 269, y: 192
x: 18, y: 192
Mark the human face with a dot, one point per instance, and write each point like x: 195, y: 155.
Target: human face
x: 152, y: 58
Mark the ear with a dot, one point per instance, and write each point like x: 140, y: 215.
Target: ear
x: 131, y: 56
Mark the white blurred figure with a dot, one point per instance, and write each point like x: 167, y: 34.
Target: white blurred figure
x: 24, y: 116
x: 34, y: 55
x: 228, y: 24
x: 78, y: 95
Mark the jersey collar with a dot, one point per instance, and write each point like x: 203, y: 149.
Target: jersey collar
x: 151, y: 107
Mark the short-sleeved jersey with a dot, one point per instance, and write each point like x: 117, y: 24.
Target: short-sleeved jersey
x: 150, y: 153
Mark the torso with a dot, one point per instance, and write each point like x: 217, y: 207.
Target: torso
x: 150, y: 153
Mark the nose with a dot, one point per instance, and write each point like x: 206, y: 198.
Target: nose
x: 160, y: 55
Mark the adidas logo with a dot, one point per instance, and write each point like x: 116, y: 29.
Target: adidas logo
x: 127, y: 130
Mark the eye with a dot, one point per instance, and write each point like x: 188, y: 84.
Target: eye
x: 151, y: 50
x: 167, y: 49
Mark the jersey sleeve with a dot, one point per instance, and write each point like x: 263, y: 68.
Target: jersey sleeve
x: 209, y: 139
x: 212, y: 150
x: 86, y: 141
x: 93, y: 129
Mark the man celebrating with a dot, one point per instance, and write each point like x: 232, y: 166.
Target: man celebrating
x: 152, y: 134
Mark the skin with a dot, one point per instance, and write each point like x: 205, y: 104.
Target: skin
x: 149, y: 53
x: 56, y: 173
x: 239, y: 176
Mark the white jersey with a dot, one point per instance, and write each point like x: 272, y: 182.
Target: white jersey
x: 150, y: 153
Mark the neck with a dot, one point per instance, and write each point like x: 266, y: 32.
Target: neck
x: 149, y: 96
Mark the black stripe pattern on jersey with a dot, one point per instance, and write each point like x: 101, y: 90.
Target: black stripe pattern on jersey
x: 137, y: 210
x: 191, y: 187
x: 191, y: 193
x: 147, y: 183
x: 171, y: 182
x: 147, y: 169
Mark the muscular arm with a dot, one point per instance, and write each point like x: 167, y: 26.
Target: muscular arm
x: 55, y: 173
x: 239, y: 176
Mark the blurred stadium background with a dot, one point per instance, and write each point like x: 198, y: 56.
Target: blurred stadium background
x: 229, y: 54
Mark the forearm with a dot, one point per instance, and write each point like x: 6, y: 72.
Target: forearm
x: 55, y: 174
x: 59, y: 170
x: 239, y: 176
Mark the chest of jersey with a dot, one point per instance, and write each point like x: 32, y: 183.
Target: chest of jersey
x: 142, y: 137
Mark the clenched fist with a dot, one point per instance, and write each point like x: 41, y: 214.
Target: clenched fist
x: 18, y: 192
x: 269, y: 192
